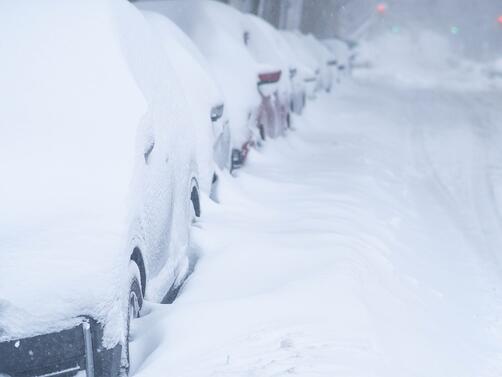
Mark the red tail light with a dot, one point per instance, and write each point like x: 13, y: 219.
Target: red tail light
x: 269, y: 77
x: 381, y: 8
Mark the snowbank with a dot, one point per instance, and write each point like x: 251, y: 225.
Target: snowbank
x: 424, y: 59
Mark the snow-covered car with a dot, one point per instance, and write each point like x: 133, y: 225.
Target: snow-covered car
x: 264, y: 42
x: 206, y: 106
x: 326, y: 58
x: 99, y: 184
x: 343, y: 54
x: 311, y: 71
x: 272, y: 117
x: 217, y: 30
x: 297, y: 71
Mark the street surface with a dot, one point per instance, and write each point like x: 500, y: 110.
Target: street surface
x: 367, y: 243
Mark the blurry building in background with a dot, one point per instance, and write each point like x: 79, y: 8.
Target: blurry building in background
x: 283, y: 14
x: 324, y: 18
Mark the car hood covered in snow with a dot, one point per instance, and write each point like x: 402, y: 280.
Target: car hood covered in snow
x: 218, y: 31
x: 76, y: 97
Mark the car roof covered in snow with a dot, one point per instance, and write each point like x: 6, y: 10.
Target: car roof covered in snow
x: 268, y: 38
x: 218, y: 31
x: 263, y: 43
x: 300, y: 50
x: 318, y: 49
x: 80, y: 90
x: 268, y: 47
x: 339, y: 48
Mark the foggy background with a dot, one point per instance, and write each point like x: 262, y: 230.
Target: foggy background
x: 471, y: 25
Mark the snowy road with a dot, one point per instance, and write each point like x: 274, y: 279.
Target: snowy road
x: 364, y: 244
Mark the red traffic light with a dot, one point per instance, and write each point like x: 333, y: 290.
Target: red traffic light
x: 381, y: 8
x: 500, y: 20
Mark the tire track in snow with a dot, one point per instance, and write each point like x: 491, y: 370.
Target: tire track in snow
x: 482, y: 198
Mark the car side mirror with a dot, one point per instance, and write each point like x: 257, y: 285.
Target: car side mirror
x: 217, y: 112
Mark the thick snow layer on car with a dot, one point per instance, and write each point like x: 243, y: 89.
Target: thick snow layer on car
x: 323, y: 55
x: 80, y: 99
x: 266, y: 49
x: 218, y: 32
x: 307, y: 60
x: 199, y: 89
x: 294, y: 40
x: 339, y: 48
x: 270, y: 44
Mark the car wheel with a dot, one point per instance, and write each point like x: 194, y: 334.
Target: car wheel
x: 135, y: 302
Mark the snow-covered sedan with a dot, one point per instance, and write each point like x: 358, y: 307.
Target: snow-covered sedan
x: 326, y: 59
x: 206, y: 106
x: 263, y: 44
x: 99, y: 183
x: 343, y: 56
x: 218, y: 31
x: 311, y: 72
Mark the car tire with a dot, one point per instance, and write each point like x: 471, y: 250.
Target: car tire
x: 134, y: 304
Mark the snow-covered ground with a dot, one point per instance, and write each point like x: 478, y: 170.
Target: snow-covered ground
x: 366, y: 243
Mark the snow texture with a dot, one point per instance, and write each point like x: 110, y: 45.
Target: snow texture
x: 83, y: 92
x: 218, y: 31
x: 365, y: 244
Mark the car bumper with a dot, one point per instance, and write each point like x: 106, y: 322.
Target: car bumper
x: 70, y: 352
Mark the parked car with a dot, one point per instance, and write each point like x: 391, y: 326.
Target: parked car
x: 311, y: 71
x: 98, y: 156
x: 217, y: 30
x: 204, y: 98
x: 326, y: 58
x: 298, y: 72
x: 346, y: 55
x: 342, y: 53
x: 267, y: 47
